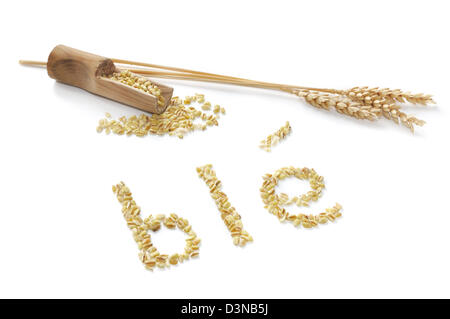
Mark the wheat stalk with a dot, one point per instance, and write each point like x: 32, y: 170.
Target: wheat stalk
x: 369, y: 104
x: 358, y: 102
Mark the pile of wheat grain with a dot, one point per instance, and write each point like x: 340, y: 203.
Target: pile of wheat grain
x: 180, y: 118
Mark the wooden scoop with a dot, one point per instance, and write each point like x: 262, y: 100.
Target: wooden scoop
x: 90, y: 72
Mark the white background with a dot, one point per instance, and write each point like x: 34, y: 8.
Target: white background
x: 61, y: 229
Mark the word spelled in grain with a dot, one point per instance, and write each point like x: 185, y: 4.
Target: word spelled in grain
x: 228, y: 213
x: 274, y: 202
x: 149, y: 254
x: 274, y: 138
x: 177, y: 120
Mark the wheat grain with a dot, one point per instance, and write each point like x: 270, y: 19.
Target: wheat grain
x: 274, y: 138
x: 149, y: 254
x: 367, y: 94
x: 138, y: 82
x: 177, y: 120
x: 228, y: 213
x: 273, y: 202
x: 368, y: 103
x: 341, y: 104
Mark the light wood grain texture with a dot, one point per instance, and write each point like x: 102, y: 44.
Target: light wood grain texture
x: 89, y: 72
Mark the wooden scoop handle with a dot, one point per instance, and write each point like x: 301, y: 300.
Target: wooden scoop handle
x: 77, y: 68
x: 88, y: 71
